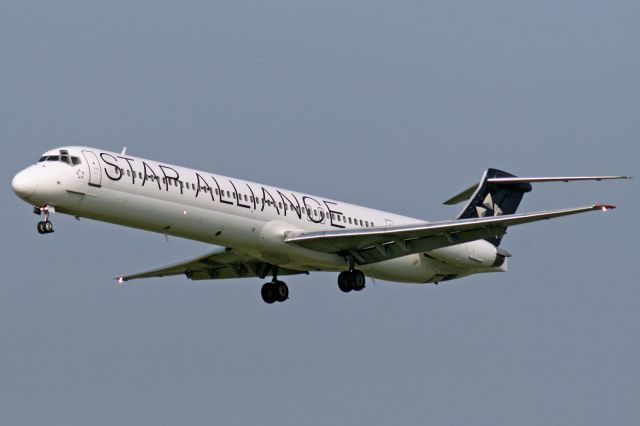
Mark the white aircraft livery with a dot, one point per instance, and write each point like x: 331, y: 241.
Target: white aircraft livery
x: 268, y: 231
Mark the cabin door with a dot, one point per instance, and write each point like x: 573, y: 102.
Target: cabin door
x: 95, y: 173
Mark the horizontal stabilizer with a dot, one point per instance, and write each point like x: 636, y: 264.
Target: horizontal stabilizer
x: 468, y: 193
x: 506, y: 180
x: 464, y: 195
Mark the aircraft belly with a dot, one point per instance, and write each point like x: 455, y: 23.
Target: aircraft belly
x: 414, y: 268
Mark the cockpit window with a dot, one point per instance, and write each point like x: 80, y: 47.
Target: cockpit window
x: 65, y: 158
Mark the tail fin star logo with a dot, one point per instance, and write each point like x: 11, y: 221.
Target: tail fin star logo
x: 488, y: 207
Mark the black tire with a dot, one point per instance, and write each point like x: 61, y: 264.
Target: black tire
x: 40, y: 228
x: 268, y: 293
x: 344, y: 282
x: 48, y: 226
x: 357, y: 280
x: 281, y: 291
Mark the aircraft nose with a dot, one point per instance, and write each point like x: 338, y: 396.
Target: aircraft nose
x: 24, y: 184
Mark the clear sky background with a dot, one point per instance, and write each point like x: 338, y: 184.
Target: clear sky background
x: 393, y: 105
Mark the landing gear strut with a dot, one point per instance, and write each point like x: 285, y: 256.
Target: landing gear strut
x: 44, y: 226
x: 351, y: 280
x: 274, y: 291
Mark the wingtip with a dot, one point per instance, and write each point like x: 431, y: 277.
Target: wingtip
x: 604, y: 207
x: 121, y: 280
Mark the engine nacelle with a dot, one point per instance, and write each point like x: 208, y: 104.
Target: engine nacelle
x: 478, y: 254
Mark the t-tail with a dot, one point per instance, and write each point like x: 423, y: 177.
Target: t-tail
x: 500, y: 193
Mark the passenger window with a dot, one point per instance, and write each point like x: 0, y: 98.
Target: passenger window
x: 366, y: 223
x: 129, y: 173
x: 361, y: 222
x: 350, y: 221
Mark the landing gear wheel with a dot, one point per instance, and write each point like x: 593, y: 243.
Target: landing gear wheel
x: 344, y: 283
x: 281, y: 291
x: 357, y: 280
x: 268, y: 293
x: 351, y: 280
x: 45, y: 227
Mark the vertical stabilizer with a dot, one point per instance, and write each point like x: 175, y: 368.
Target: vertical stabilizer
x: 495, y: 198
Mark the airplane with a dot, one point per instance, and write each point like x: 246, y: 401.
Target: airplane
x: 268, y: 231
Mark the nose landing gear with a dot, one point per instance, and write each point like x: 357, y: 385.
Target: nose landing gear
x: 44, y: 226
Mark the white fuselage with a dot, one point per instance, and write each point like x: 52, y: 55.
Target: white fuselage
x: 247, y: 216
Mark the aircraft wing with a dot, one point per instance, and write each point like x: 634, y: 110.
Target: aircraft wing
x: 372, y: 245
x: 222, y: 263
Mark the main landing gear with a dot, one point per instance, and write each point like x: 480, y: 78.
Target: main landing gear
x: 274, y: 291
x: 352, y: 279
x: 44, y: 226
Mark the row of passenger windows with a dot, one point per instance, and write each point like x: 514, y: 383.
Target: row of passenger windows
x: 250, y: 198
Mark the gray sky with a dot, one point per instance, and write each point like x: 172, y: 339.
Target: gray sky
x: 393, y: 105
